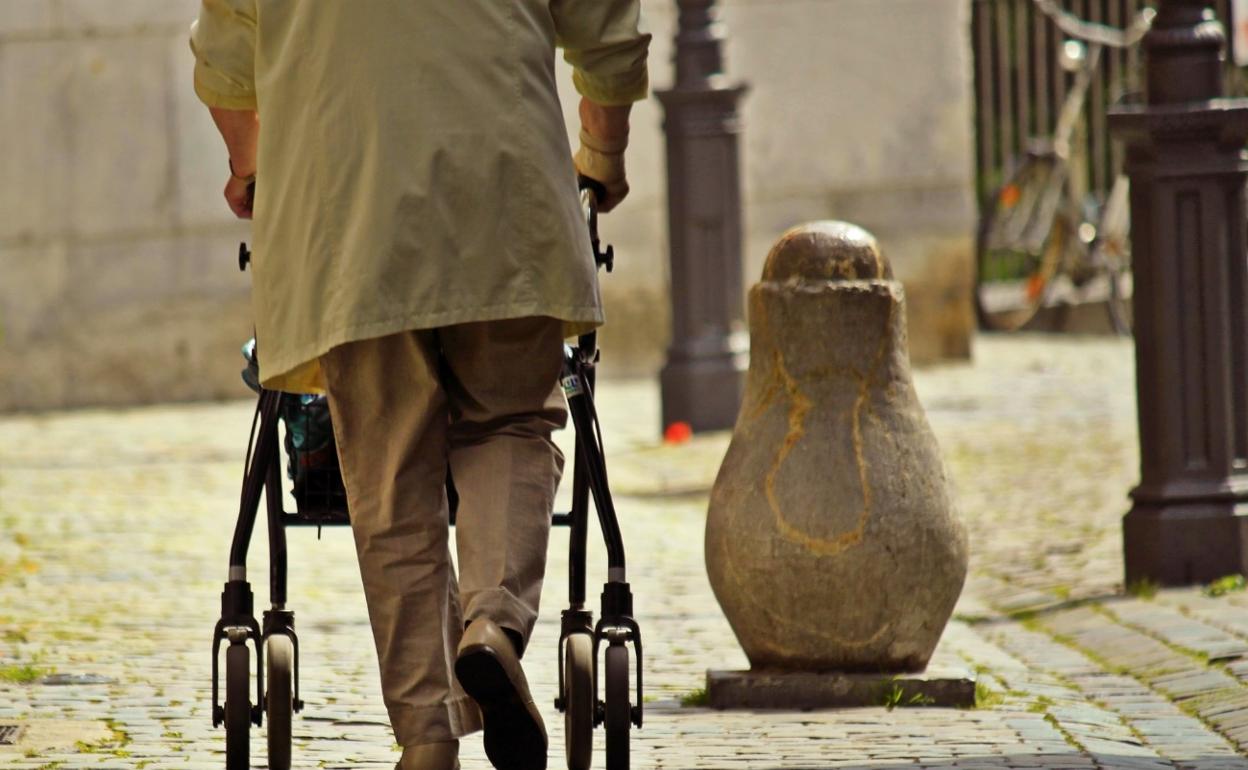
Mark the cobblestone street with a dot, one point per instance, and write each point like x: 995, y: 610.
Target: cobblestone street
x: 116, y: 530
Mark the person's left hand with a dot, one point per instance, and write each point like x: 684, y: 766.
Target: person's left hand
x: 241, y: 131
x: 240, y: 195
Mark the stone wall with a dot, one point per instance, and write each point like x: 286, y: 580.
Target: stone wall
x: 117, y: 278
x: 858, y: 110
x: 118, y: 283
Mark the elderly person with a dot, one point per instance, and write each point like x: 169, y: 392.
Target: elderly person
x: 420, y: 255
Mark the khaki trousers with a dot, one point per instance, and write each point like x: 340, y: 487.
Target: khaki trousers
x: 484, y: 398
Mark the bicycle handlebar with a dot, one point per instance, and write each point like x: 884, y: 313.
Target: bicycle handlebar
x: 1099, y: 34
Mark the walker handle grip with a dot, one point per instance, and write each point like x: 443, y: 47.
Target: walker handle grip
x: 593, y: 191
x: 597, y: 189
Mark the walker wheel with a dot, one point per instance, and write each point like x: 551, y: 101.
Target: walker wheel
x: 237, y: 706
x: 279, y: 701
x: 618, y: 710
x: 578, y: 700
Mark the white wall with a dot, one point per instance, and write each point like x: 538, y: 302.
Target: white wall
x: 118, y: 282
x: 859, y: 110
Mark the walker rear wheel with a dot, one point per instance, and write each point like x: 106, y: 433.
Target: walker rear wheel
x: 237, y: 706
x: 279, y: 702
x: 578, y: 700
x: 618, y: 709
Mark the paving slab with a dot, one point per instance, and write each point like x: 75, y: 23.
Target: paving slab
x: 1178, y: 629
x: 39, y: 737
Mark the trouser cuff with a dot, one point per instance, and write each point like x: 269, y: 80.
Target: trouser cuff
x: 448, y: 721
x: 502, y: 607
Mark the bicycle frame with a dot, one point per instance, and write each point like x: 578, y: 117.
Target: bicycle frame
x: 1072, y: 108
x: 1059, y: 150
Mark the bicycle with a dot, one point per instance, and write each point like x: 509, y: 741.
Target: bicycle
x: 1042, y: 240
x: 272, y: 697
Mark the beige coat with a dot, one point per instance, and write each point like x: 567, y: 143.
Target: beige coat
x: 414, y: 170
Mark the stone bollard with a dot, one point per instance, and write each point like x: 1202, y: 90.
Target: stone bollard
x: 831, y: 543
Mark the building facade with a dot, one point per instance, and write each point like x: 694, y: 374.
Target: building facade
x: 118, y: 277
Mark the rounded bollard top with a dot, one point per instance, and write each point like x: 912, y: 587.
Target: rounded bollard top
x: 827, y: 251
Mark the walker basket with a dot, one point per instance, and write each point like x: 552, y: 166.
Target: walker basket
x: 312, y: 455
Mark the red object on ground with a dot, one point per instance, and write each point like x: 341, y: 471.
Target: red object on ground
x: 677, y: 433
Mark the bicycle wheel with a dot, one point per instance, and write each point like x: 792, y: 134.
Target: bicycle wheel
x: 279, y: 701
x: 237, y: 707
x: 1023, y: 235
x: 1112, y: 253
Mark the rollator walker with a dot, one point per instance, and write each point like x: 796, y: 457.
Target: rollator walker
x: 321, y: 501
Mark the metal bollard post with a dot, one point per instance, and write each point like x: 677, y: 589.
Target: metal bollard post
x: 702, y: 380
x: 1185, y: 156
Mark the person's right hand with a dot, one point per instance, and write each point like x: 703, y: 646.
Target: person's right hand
x: 603, y: 162
x: 604, y: 136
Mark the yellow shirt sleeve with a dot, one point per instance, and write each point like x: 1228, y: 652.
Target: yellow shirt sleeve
x: 223, y: 40
x: 606, y: 43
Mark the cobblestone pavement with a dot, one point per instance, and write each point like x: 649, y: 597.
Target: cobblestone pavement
x: 116, y: 529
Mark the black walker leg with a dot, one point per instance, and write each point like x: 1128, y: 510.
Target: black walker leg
x: 578, y: 542
x: 278, y: 619
x: 238, y: 623
x: 616, y: 624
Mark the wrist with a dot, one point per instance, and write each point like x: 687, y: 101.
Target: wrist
x: 613, y: 146
x: 606, y: 125
x: 242, y: 172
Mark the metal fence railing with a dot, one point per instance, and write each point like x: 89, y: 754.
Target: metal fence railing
x: 1020, y: 85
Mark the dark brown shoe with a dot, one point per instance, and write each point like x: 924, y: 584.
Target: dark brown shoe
x: 489, y: 671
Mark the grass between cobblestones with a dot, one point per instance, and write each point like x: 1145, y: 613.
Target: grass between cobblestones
x: 986, y: 697
x: 1143, y: 589
x: 893, y: 695
x: 1226, y: 585
x: 22, y: 674
x: 113, y: 746
x: 1196, y: 655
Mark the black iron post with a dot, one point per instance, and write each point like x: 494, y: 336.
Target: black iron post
x: 1185, y: 156
x: 702, y: 381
